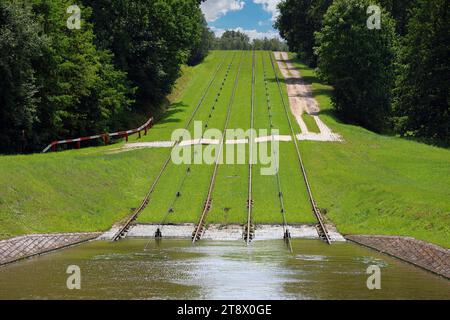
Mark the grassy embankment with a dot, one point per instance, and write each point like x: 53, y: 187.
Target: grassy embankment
x: 91, y: 188
x: 230, y: 193
x: 376, y: 184
x: 370, y: 184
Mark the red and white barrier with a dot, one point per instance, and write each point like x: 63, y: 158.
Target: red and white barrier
x: 104, y: 136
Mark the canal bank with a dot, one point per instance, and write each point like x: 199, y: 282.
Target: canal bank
x: 22, y: 247
x: 419, y: 253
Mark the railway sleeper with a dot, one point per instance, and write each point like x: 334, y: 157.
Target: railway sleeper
x: 322, y: 233
x: 250, y: 234
x: 207, y: 205
x: 198, y: 232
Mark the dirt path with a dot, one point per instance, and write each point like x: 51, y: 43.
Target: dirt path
x: 301, y: 101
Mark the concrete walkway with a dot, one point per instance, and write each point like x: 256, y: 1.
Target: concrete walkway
x: 227, y: 232
x: 283, y: 138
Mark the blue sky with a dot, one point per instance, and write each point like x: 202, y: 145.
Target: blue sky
x: 253, y: 17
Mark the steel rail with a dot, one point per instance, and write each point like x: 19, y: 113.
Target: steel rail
x: 250, y: 161
x: 316, y: 211
x: 146, y: 199
x: 197, y: 231
x: 188, y: 170
x: 286, y: 233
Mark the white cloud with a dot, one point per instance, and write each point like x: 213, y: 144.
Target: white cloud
x: 214, y: 9
x: 269, y: 6
x: 252, y: 34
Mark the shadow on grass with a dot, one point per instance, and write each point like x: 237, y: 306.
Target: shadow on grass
x: 169, y: 115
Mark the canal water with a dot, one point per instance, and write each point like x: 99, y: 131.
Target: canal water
x: 175, y: 269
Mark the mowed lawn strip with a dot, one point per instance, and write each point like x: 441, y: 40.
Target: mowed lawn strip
x: 375, y: 184
x: 218, y: 91
x: 191, y: 207
x: 280, y: 115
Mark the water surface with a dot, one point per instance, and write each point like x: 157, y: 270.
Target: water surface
x: 175, y: 269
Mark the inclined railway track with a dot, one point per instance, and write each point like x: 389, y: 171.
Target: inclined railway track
x: 249, y: 230
x: 188, y: 171
x: 321, y: 227
x: 199, y: 228
x: 121, y: 233
x: 286, y: 233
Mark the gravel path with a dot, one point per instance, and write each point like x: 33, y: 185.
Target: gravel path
x: 301, y: 101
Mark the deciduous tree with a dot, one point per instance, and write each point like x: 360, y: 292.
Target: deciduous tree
x: 358, y: 62
x: 422, y: 94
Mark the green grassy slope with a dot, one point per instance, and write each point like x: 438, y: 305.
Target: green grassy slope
x: 91, y: 188
x: 230, y: 192
x: 187, y: 207
x: 370, y: 184
x: 193, y: 88
x: 229, y: 197
x: 375, y: 184
x: 266, y: 206
x: 84, y: 190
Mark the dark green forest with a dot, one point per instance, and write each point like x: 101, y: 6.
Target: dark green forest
x: 115, y: 70
x: 59, y: 82
x: 109, y: 73
x: 394, y: 78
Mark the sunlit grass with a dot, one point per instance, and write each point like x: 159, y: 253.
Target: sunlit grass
x: 369, y: 184
x: 375, y: 184
x: 310, y: 123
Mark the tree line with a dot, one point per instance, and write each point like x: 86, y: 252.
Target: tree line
x: 237, y: 40
x: 58, y: 82
x: 391, y: 77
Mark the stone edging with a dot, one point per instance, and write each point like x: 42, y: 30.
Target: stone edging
x: 419, y: 253
x: 22, y: 247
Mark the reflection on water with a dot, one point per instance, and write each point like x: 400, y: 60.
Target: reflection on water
x: 174, y: 269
